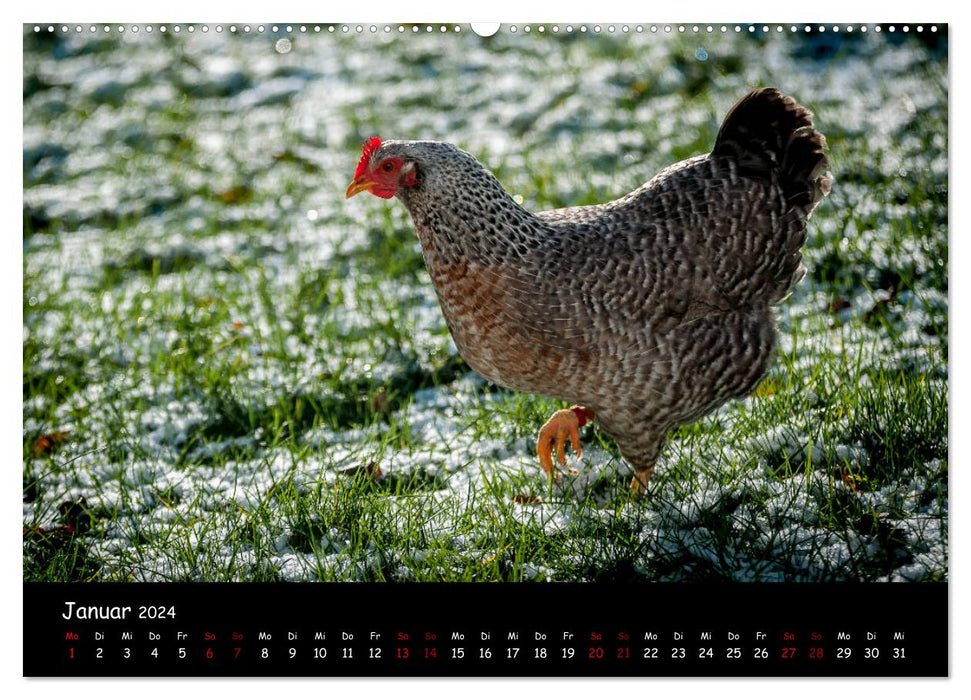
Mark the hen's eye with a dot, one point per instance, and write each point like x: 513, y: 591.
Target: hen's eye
x: 387, y: 167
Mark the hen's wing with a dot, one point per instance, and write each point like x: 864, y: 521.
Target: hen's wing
x: 714, y: 232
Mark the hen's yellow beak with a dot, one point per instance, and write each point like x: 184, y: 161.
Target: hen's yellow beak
x: 361, y: 184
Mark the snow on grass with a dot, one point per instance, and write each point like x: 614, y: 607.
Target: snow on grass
x: 230, y: 370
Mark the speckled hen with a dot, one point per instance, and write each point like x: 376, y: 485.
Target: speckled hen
x: 646, y: 312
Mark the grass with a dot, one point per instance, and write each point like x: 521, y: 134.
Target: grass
x: 219, y: 355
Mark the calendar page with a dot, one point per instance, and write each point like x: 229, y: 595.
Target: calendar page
x: 382, y: 349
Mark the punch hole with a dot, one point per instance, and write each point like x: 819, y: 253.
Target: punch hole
x: 485, y: 28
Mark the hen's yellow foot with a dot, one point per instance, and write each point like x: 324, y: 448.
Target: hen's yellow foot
x: 553, y: 434
x: 638, y: 485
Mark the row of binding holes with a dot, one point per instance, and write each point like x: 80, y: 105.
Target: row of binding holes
x: 245, y: 28
x: 541, y: 29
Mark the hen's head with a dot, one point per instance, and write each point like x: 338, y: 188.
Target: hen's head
x: 416, y: 169
x: 383, y: 170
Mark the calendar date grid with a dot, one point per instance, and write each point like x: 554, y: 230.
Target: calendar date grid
x: 597, y: 648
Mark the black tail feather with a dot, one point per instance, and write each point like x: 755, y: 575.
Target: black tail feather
x: 767, y: 131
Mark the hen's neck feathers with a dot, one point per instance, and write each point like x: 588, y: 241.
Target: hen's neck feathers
x: 459, y: 208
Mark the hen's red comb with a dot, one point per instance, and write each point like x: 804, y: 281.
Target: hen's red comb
x: 369, y: 147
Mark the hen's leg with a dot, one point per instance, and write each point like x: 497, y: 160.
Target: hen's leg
x: 553, y: 434
x: 641, y: 453
x: 642, y: 476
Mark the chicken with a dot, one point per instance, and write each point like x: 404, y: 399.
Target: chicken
x: 646, y: 312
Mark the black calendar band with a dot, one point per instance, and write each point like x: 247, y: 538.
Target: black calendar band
x: 346, y: 630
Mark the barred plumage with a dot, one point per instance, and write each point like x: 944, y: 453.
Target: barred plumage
x: 648, y: 311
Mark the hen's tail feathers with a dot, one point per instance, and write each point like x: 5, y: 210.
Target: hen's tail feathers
x: 767, y: 131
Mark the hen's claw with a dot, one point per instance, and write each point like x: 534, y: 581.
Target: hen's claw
x: 553, y: 435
